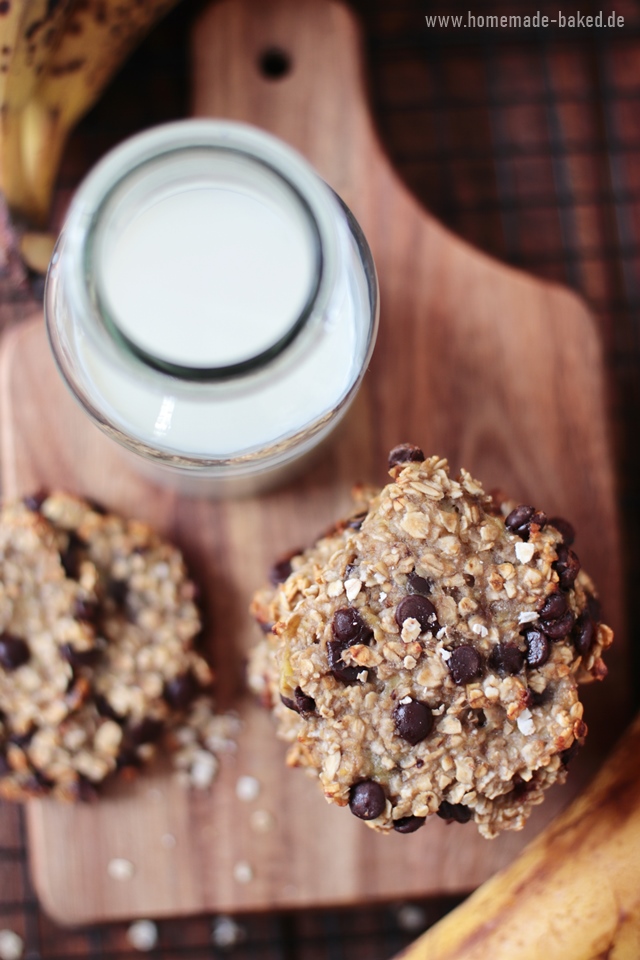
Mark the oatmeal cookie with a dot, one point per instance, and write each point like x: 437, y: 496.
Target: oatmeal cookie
x: 146, y: 614
x: 425, y: 657
x: 42, y: 625
x: 142, y: 674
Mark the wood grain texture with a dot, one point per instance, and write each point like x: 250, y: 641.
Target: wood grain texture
x: 475, y: 361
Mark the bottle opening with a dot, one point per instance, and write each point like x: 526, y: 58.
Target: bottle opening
x: 206, y: 262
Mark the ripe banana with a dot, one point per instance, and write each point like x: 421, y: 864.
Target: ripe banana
x: 573, y: 893
x: 55, y: 71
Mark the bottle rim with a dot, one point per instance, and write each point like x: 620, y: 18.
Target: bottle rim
x: 85, y: 296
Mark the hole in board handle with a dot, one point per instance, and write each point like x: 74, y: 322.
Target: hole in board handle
x: 274, y: 63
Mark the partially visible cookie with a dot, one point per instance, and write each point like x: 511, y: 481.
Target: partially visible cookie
x: 43, y: 627
x: 71, y: 759
x: 425, y: 659
x: 137, y: 669
x: 146, y: 613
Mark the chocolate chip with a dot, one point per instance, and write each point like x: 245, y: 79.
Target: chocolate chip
x: 367, y: 800
x: 306, y: 705
x: 538, y: 648
x: 35, y: 500
x: 14, y: 651
x: 553, y: 607
x: 584, y: 633
x: 404, y: 453
x: 72, y: 556
x: 79, y: 658
x: 567, y: 566
x: 282, y: 569
x: 85, y: 610
x: 562, y: 627
x: 83, y: 790
x: 349, y: 627
x: 341, y: 670
x: 408, y: 824
x: 302, y: 704
x: 118, y: 590
x: 465, y: 664
x: 418, y: 584
x: 566, y: 756
x: 22, y: 739
x: 414, y: 721
x: 469, y: 579
x: 522, y: 787
x: 128, y: 758
x: 147, y: 731
x: 354, y: 523
x: 564, y: 528
x: 519, y: 517
x: 506, y: 658
x: 180, y: 691
x: 39, y: 783
x: 536, y: 699
x: 454, y: 811
x: 419, y: 608
x: 539, y: 518
x: 105, y: 709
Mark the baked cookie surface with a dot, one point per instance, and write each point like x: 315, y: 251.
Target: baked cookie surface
x: 424, y: 658
x: 42, y: 624
x: 139, y: 675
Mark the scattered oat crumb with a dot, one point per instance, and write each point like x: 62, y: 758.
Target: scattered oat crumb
x: 480, y: 629
x: 411, y: 918
x: 11, y: 945
x: 243, y: 872
x: 203, y: 769
x: 445, y: 654
x: 525, y: 552
x: 143, y: 935
x: 247, y: 789
x: 120, y: 869
x: 383, y: 595
x: 168, y: 841
x: 226, y: 933
x: 262, y: 821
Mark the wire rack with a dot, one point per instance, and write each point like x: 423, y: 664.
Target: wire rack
x: 526, y: 142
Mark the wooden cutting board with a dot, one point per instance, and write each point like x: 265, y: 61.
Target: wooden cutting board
x: 497, y: 371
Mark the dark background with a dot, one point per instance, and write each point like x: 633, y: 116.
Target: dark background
x: 525, y: 142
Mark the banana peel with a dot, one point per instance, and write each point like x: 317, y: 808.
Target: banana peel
x: 573, y: 893
x: 49, y: 93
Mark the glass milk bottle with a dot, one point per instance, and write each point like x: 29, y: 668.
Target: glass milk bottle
x: 211, y: 304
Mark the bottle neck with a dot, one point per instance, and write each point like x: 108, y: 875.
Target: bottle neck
x: 205, y: 263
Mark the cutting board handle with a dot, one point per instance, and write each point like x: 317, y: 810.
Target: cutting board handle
x: 293, y: 67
